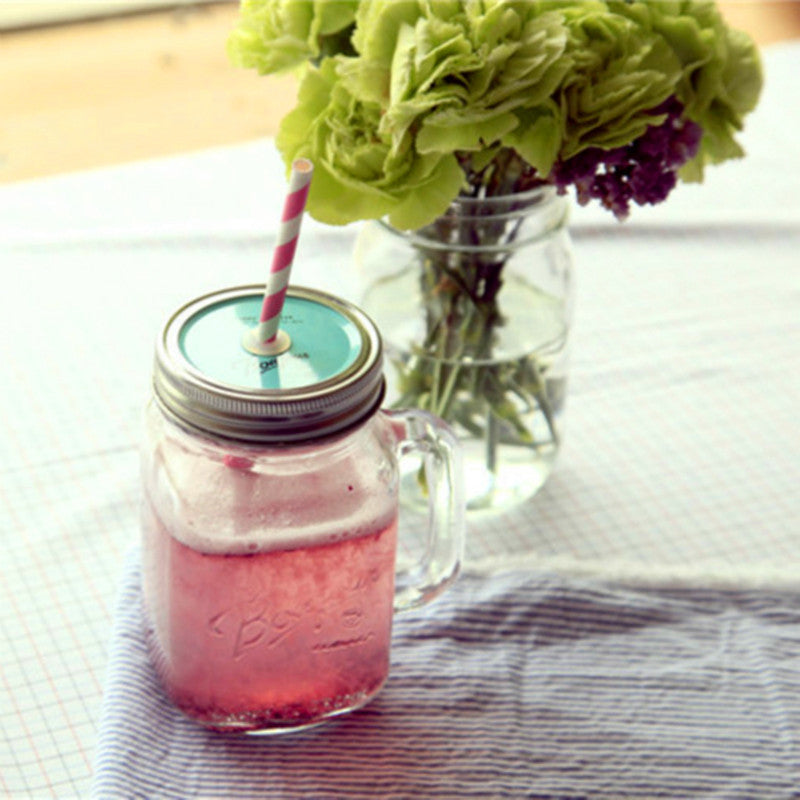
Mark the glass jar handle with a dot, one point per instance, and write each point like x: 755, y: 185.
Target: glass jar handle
x: 418, y: 432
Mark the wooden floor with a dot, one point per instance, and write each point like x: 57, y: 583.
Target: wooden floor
x: 88, y: 94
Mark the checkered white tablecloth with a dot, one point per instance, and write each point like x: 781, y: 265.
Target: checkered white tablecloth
x: 682, y: 455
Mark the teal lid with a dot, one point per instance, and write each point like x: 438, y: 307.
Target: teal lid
x: 325, y: 342
x: 329, y: 378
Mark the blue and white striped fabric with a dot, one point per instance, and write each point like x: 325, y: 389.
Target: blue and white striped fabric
x: 517, y: 685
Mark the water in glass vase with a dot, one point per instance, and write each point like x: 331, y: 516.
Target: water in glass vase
x: 505, y: 404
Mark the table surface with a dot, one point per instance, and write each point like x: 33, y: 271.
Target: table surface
x: 682, y: 455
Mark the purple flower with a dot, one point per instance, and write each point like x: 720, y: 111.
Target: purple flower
x: 645, y: 171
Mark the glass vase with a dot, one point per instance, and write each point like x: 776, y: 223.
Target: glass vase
x: 475, y: 311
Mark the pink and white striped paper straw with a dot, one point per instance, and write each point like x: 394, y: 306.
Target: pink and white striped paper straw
x: 266, y: 338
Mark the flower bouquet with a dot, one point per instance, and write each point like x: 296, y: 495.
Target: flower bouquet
x: 413, y: 110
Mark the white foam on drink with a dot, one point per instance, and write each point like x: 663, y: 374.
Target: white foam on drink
x: 217, y: 509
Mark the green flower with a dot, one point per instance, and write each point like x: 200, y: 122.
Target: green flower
x: 620, y: 72
x: 721, y: 72
x: 360, y: 172
x: 399, y: 93
x: 458, y: 76
x: 274, y: 35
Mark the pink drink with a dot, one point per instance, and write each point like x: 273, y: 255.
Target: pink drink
x: 283, y: 637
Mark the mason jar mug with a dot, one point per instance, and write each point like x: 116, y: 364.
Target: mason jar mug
x: 270, y: 513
